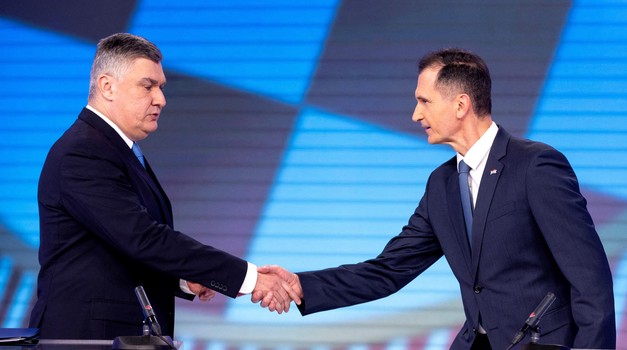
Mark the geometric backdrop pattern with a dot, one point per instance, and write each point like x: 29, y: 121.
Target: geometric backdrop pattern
x: 287, y: 138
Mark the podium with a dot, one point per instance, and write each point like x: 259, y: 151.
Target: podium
x: 535, y: 346
x: 68, y: 344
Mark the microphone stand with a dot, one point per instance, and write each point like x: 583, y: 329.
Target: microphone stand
x: 535, y: 345
x: 151, y: 338
x: 532, y: 325
x: 146, y: 341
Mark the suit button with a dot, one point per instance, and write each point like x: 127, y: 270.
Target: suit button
x: 478, y: 289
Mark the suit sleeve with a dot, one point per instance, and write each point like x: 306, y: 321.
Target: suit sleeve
x: 403, y: 259
x: 561, y: 214
x: 96, y: 189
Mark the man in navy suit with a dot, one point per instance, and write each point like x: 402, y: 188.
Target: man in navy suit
x: 530, y: 233
x: 106, y: 223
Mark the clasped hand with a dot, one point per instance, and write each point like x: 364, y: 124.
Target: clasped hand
x: 276, y: 288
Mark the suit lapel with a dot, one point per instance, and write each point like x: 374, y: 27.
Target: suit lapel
x: 127, y: 154
x: 166, y: 207
x: 489, y: 180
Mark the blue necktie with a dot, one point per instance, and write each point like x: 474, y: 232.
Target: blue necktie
x: 138, y: 153
x: 464, y: 191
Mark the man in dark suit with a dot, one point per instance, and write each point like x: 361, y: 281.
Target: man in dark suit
x: 528, y: 231
x: 106, y: 223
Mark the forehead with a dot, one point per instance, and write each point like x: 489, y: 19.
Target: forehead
x: 141, y: 68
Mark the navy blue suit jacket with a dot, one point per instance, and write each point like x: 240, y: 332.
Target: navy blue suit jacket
x: 106, y: 227
x: 532, y: 234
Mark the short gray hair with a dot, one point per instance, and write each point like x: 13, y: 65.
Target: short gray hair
x: 115, y: 53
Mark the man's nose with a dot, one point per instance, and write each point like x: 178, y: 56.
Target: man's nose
x: 417, y: 116
x: 158, y: 98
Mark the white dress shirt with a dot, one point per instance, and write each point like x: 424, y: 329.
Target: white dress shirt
x: 476, y: 158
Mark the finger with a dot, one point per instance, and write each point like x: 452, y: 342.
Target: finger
x: 292, y: 293
x: 272, y: 306
x: 279, y: 306
x: 288, y: 303
x: 256, y: 296
x: 282, y: 296
x: 208, y: 295
x: 267, y: 299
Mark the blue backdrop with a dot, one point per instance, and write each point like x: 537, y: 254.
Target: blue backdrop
x: 288, y: 139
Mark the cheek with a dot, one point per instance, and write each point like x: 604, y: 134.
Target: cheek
x: 141, y: 106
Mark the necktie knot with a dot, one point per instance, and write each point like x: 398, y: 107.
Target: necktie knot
x: 138, y: 153
x: 463, y: 167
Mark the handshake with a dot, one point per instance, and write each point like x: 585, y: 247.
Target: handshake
x: 276, y: 288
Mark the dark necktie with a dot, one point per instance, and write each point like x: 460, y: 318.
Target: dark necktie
x: 464, y: 190
x: 138, y: 153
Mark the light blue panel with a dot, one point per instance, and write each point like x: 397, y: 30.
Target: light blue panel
x: 265, y: 47
x: 361, y: 156
x: 340, y: 209
x: 282, y: 227
x: 589, y: 69
x: 439, y: 339
x: 345, y: 188
x: 6, y: 269
x: 349, y: 175
x: 18, y: 309
x: 348, y: 193
x: 587, y: 122
x: 586, y: 102
x: 583, y: 109
x: 39, y: 99
x: 582, y: 85
x: 620, y: 289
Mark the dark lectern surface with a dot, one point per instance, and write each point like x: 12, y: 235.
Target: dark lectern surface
x: 69, y: 344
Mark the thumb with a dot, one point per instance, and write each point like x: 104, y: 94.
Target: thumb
x: 264, y: 269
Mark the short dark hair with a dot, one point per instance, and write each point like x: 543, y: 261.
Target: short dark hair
x: 462, y: 71
x: 115, y: 53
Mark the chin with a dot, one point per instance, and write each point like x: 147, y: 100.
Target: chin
x: 152, y: 128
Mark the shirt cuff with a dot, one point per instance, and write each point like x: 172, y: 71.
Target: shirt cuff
x: 250, y: 280
x: 184, y: 287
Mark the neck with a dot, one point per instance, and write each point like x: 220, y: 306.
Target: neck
x: 471, y: 132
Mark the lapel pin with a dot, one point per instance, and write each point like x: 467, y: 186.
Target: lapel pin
x: 493, y: 171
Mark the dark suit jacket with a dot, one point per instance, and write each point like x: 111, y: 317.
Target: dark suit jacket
x: 106, y: 227
x: 531, y: 234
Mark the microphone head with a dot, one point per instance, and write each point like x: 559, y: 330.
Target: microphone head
x: 144, y: 302
x: 541, y: 309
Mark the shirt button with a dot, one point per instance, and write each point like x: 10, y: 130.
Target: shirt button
x: 478, y: 289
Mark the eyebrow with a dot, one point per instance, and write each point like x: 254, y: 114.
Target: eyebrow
x: 421, y: 97
x: 151, y: 81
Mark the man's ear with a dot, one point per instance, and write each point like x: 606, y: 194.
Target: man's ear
x: 463, y: 105
x: 106, y: 86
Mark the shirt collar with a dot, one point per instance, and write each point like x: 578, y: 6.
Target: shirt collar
x: 480, y: 149
x: 128, y: 141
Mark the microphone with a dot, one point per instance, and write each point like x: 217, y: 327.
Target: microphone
x: 149, y: 313
x: 533, y: 319
x: 145, y: 341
